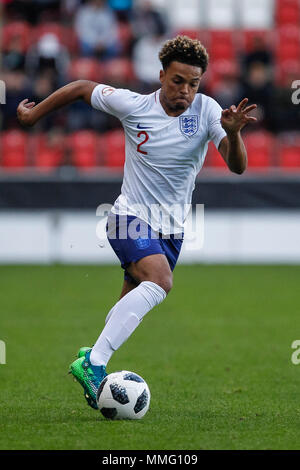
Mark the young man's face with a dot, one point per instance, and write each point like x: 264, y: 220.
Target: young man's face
x: 180, y: 83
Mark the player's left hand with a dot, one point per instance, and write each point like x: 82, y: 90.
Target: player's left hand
x: 235, y: 118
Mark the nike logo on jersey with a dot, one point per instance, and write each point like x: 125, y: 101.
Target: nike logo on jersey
x: 143, y: 127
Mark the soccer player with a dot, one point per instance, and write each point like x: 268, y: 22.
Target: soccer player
x: 167, y: 134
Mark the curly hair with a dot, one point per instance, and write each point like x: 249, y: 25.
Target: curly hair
x: 185, y: 50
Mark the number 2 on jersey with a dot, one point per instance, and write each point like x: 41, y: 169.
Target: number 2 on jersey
x: 143, y: 142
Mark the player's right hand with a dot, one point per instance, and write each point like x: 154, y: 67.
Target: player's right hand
x: 24, y: 113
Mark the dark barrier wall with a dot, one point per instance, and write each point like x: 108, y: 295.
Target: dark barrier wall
x: 215, y: 194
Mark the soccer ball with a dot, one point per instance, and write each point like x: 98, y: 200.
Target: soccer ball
x: 123, y: 395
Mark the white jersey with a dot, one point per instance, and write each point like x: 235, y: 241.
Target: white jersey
x: 164, y: 154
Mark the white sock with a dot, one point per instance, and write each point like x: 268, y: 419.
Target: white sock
x: 123, y: 319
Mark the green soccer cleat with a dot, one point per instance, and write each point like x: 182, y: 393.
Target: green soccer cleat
x: 89, y: 376
x: 83, y: 350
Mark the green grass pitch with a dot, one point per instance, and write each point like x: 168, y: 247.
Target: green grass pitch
x: 216, y: 355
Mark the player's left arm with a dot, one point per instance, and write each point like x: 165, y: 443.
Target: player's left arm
x: 232, y: 147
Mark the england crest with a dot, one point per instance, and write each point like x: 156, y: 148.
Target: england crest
x: 189, y: 125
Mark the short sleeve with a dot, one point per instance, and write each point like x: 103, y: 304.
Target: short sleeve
x: 215, y: 129
x: 116, y: 101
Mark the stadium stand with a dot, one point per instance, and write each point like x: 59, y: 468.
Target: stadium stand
x: 16, y: 32
x: 65, y: 34
x: 84, y: 68
x: 222, y: 45
x: 46, y: 150
x: 261, y: 149
x: 114, y: 148
x: 84, y: 148
x: 289, y: 151
x: 13, y: 146
x: 213, y: 158
x: 236, y: 34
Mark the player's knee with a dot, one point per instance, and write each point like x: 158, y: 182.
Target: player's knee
x: 165, y: 282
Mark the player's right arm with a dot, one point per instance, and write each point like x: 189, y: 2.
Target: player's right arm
x: 29, y: 113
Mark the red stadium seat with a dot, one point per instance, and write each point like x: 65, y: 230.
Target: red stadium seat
x: 85, y: 69
x: 46, y: 150
x: 214, y: 158
x: 288, y: 51
x: 49, y: 158
x: 288, y: 34
x: 260, y: 146
x: 222, y: 45
x: 289, y: 152
x: 288, y: 13
x: 290, y: 157
x: 37, y: 142
x: 119, y: 71
x: 84, y: 147
x: 220, y: 69
x: 287, y: 71
x: 115, y: 148
x: 248, y: 37
x: 285, y: 3
x: 17, y: 31
x: 84, y: 159
x: 65, y: 35
x: 288, y: 43
x: 202, y: 35
x: 15, y: 160
x: 14, y: 149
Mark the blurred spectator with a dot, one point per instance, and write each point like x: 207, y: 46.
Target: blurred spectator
x: 146, y: 62
x: 97, y: 30
x: 14, y: 57
x: 149, y: 28
x: 258, y: 53
x: 127, y: 41
x: 228, y: 90
x: 122, y: 8
x: 68, y: 9
x: 147, y: 21
x: 47, y: 54
x: 257, y: 67
x: 258, y: 88
x: 120, y: 5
